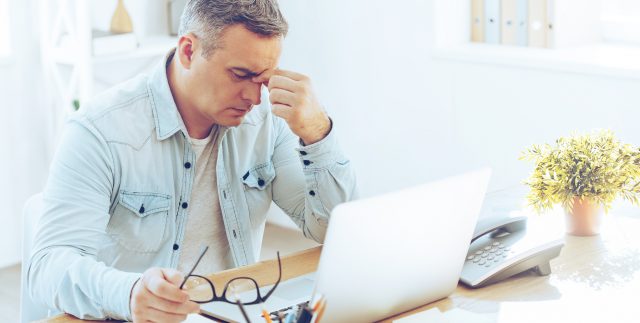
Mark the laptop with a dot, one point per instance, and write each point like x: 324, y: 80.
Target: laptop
x: 385, y: 255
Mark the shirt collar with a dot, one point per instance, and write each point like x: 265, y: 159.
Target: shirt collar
x: 166, y: 116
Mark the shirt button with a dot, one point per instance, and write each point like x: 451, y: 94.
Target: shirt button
x: 175, y: 246
x: 312, y: 193
x: 306, y: 162
x: 303, y: 153
x: 261, y: 182
x: 141, y: 209
x: 187, y: 165
x: 185, y: 205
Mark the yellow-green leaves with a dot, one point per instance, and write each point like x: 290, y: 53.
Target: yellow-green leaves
x: 594, y: 166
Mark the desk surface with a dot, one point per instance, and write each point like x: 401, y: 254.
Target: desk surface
x: 595, y: 279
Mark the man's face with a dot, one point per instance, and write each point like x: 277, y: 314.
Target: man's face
x: 225, y: 86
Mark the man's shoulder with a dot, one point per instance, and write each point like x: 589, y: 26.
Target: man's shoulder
x: 123, y: 113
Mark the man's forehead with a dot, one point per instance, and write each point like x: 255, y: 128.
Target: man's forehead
x: 243, y: 49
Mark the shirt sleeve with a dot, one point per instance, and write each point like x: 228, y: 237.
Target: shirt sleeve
x: 310, y: 180
x: 63, y: 273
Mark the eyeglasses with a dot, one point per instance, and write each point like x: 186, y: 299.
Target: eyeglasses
x: 202, y: 290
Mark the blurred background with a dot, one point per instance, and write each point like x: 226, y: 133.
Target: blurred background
x: 413, y: 99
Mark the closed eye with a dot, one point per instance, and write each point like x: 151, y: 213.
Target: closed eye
x: 242, y: 74
x: 241, y: 77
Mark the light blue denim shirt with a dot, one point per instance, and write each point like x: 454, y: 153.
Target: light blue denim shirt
x: 118, y: 193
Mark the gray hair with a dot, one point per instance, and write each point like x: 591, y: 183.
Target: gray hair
x: 207, y: 19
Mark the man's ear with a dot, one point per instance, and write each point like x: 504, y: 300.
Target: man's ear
x: 186, y: 50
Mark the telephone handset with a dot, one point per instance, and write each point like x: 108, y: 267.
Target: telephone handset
x: 502, y: 247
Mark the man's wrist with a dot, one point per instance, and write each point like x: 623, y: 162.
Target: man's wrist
x: 324, y: 131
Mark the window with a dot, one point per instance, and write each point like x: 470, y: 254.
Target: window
x: 620, y: 21
x: 4, y: 28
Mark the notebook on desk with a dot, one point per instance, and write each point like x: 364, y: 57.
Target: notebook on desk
x: 385, y: 255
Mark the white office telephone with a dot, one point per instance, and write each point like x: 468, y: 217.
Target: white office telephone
x: 501, y: 248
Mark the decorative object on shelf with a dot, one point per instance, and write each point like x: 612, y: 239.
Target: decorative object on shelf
x: 121, y: 21
x: 585, y: 174
x: 174, y: 11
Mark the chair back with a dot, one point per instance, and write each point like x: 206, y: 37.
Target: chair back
x: 29, y: 310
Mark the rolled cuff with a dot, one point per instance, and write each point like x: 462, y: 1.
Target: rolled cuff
x: 321, y: 154
x: 118, y: 286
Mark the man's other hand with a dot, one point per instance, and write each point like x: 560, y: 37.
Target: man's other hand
x: 293, y: 100
x: 157, y: 297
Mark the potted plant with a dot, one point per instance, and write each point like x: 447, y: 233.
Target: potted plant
x: 585, y: 174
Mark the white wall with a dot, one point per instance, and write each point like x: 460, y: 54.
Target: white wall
x: 405, y: 117
x: 24, y: 130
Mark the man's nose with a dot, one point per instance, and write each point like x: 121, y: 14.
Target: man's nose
x: 251, y: 93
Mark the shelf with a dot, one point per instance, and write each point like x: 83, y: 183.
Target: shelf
x: 148, y: 47
x: 601, y: 59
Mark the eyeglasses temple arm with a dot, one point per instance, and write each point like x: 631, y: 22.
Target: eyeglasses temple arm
x: 204, y: 249
x: 278, y: 281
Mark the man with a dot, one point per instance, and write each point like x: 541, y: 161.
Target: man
x: 192, y: 154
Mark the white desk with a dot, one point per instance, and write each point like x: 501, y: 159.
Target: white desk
x: 595, y: 279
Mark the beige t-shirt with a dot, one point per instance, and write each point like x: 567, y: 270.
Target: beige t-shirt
x: 204, y: 222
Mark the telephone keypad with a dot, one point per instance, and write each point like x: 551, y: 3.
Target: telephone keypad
x: 490, y: 254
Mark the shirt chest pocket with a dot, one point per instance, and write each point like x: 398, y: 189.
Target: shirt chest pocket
x: 257, y: 189
x: 139, y: 221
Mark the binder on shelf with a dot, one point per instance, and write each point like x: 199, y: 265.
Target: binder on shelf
x: 550, y: 25
x: 522, y: 22
x: 508, y: 12
x: 108, y: 43
x: 537, y: 23
x: 492, y: 21
x: 477, y: 21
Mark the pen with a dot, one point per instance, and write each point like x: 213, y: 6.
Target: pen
x: 244, y: 313
x: 267, y: 316
x: 305, y: 315
x: 315, y: 307
x: 321, y: 310
x: 291, y: 317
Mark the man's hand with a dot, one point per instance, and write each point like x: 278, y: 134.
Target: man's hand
x: 156, y: 297
x: 293, y: 100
